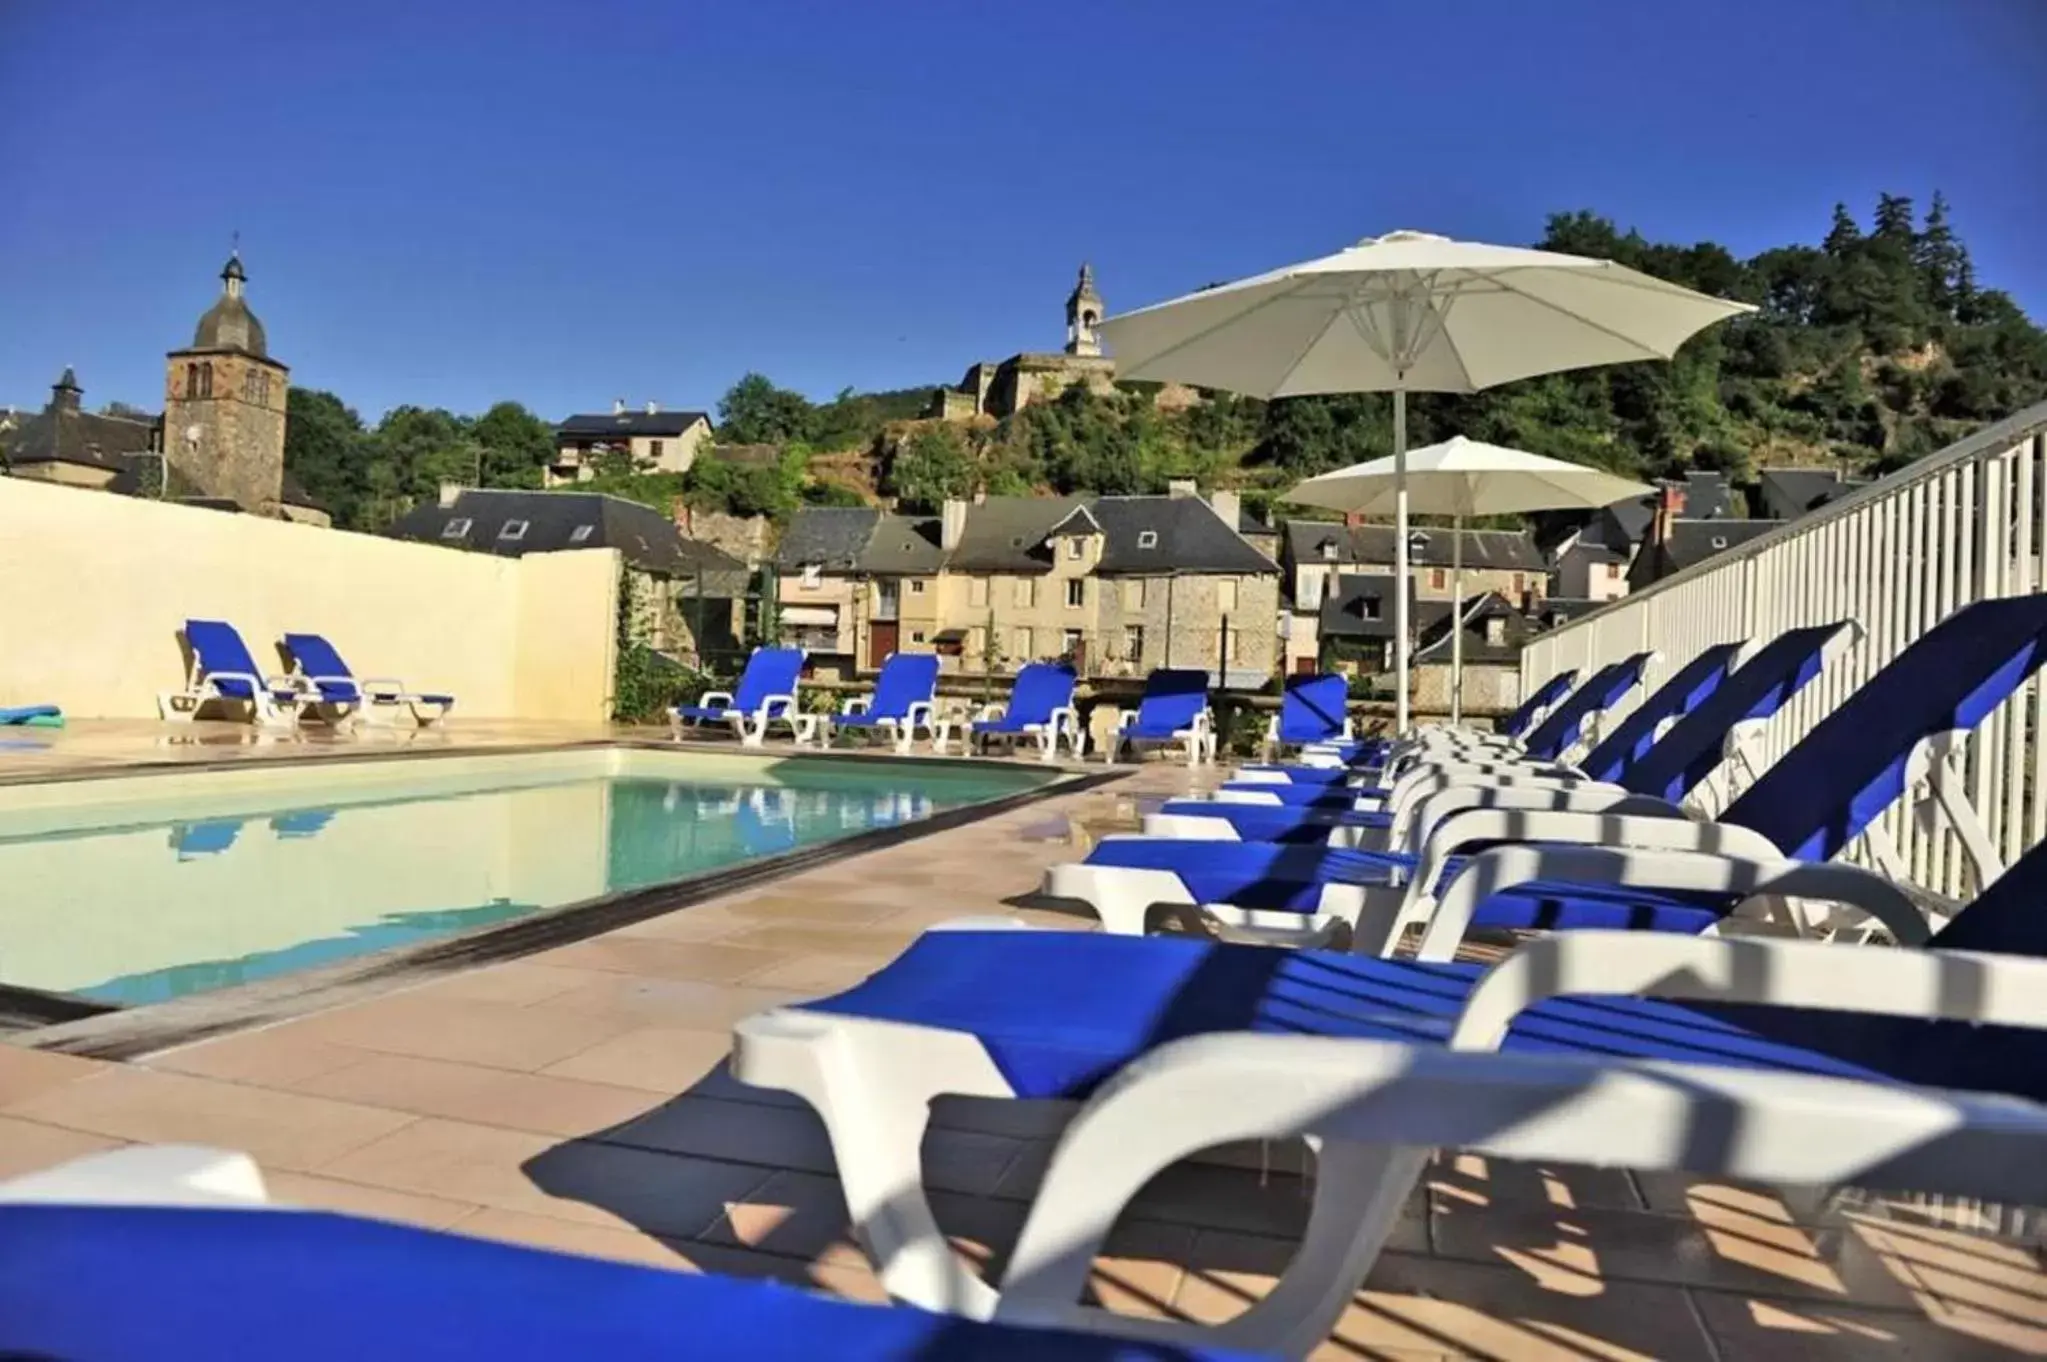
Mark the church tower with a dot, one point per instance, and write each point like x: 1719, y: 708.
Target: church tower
x: 1083, y: 315
x: 223, y: 414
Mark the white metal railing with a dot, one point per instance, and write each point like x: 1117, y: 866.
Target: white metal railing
x: 1897, y: 556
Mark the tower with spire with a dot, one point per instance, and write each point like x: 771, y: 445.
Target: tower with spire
x: 1083, y: 315
x: 224, y: 400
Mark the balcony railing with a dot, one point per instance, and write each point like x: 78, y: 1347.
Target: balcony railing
x: 1965, y: 524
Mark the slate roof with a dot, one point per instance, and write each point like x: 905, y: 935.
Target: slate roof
x: 903, y: 546
x: 1692, y: 542
x: 1363, y: 606
x: 1494, y: 550
x: 68, y: 435
x: 1435, y: 633
x: 647, y: 539
x: 1007, y: 534
x: 606, y: 425
x: 1707, y: 497
x: 831, y: 537
x: 1788, y: 493
x: 1186, y: 536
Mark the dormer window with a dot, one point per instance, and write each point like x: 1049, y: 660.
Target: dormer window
x: 1075, y: 549
x: 1328, y: 547
x: 812, y: 576
x: 513, y: 530
x: 1147, y: 539
x: 581, y: 533
x: 455, y: 529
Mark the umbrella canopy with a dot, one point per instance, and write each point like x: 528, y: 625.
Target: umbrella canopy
x: 1461, y: 478
x: 1404, y: 312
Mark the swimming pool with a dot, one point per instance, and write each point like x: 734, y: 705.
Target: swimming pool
x: 136, y: 889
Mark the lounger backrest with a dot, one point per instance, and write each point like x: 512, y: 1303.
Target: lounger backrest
x: 1312, y: 708
x: 1040, y: 688
x: 1602, y: 692
x: 906, y: 679
x: 317, y: 657
x: 218, y: 648
x: 1696, y: 744
x: 1821, y: 794
x: 1694, y: 683
x: 770, y: 671
x: 1173, y: 698
x: 1545, y: 695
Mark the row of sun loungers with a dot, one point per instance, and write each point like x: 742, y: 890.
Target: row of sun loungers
x: 1623, y: 1029
x: 223, y: 674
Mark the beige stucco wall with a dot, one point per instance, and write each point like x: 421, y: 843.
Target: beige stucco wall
x: 100, y: 585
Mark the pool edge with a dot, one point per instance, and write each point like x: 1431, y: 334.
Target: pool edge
x: 135, y: 1032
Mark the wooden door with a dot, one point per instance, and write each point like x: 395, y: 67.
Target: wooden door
x: 881, y: 640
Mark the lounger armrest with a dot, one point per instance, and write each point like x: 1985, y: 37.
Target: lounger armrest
x: 990, y: 712
x: 777, y: 706
x: 1272, y: 729
x: 1650, y: 868
x: 1067, y: 712
x: 715, y: 699
x: 375, y: 685
x: 261, y: 684
x: 1586, y: 797
x: 859, y: 704
x: 1971, y: 986
x: 919, y: 712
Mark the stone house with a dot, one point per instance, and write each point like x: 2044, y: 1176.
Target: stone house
x: 683, y: 597
x: 657, y: 441
x: 1494, y: 632
x: 1119, y: 585
x: 219, y: 443
x: 1317, y: 554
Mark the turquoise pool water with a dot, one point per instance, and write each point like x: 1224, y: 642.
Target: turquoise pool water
x: 123, y: 900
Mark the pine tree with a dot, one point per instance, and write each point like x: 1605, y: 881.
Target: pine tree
x: 1940, y: 258
x: 1893, y: 219
x: 1843, y: 234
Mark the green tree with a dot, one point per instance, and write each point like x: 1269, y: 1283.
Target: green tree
x: 932, y: 466
x: 517, y: 446
x: 756, y: 412
x: 327, y: 450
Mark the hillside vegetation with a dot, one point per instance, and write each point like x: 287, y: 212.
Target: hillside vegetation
x: 1869, y: 350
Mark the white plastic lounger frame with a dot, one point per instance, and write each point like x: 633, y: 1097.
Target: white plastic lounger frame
x: 1199, y: 737
x: 1378, y: 1109
x: 1063, y: 722
x: 922, y: 714
x: 265, y: 709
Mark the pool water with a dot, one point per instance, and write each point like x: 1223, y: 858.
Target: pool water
x: 140, y: 889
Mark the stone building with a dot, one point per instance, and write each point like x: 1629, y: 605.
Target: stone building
x: 1002, y: 389
x: 1117, y: 585
x: 224, y: 404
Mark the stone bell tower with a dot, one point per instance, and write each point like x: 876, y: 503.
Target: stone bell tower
x: 223, y: 414
x: 1083, y: 315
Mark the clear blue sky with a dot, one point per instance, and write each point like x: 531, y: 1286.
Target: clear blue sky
x: 453, y: 202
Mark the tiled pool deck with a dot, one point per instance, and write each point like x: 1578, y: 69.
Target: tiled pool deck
x: 576, y: 1099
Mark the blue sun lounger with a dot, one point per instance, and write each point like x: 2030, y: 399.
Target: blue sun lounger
x: 1537, y: 705
x: 1828, y: 790
x: 223, y: 671
x: 1314, y: 718
x: 1178, y: 1044
x: 1319, y: 813
x: 1040, y: 707
x: 765, y: 694
x: 1174, y: 708
x: 901, y: 703
x: 342, y: 696
x: 100, y: 1281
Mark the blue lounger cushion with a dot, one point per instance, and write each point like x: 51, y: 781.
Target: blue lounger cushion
x: 1060, y: 1011
x: 1562, y: 726
x: 768, y: 672
x: 906, y: 679
x: 219, y: 649
x: 1313, y: 709
x: 1173, y: 699
x: 1039, y: 690
x: 129, y: 1283
x: 21, y: 714
x: 1547, y: 694
x: 317, y: 657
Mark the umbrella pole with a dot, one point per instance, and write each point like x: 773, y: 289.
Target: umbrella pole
x: 1401, y: 568
x: 1457, y: 622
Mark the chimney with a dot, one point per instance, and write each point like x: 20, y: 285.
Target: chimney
x: 952, y: 524
x: 451, y: 492
x: 1670, y: 504
x: 618, y: 406
x: 679, y: 513
x: 1182, y: 487
x: 653, y: 408
x: 1228, y: 505
x: 1352, y: 519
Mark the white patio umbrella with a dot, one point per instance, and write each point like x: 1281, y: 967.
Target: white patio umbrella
x: 1410, y: 312
x: 1462, y: 478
